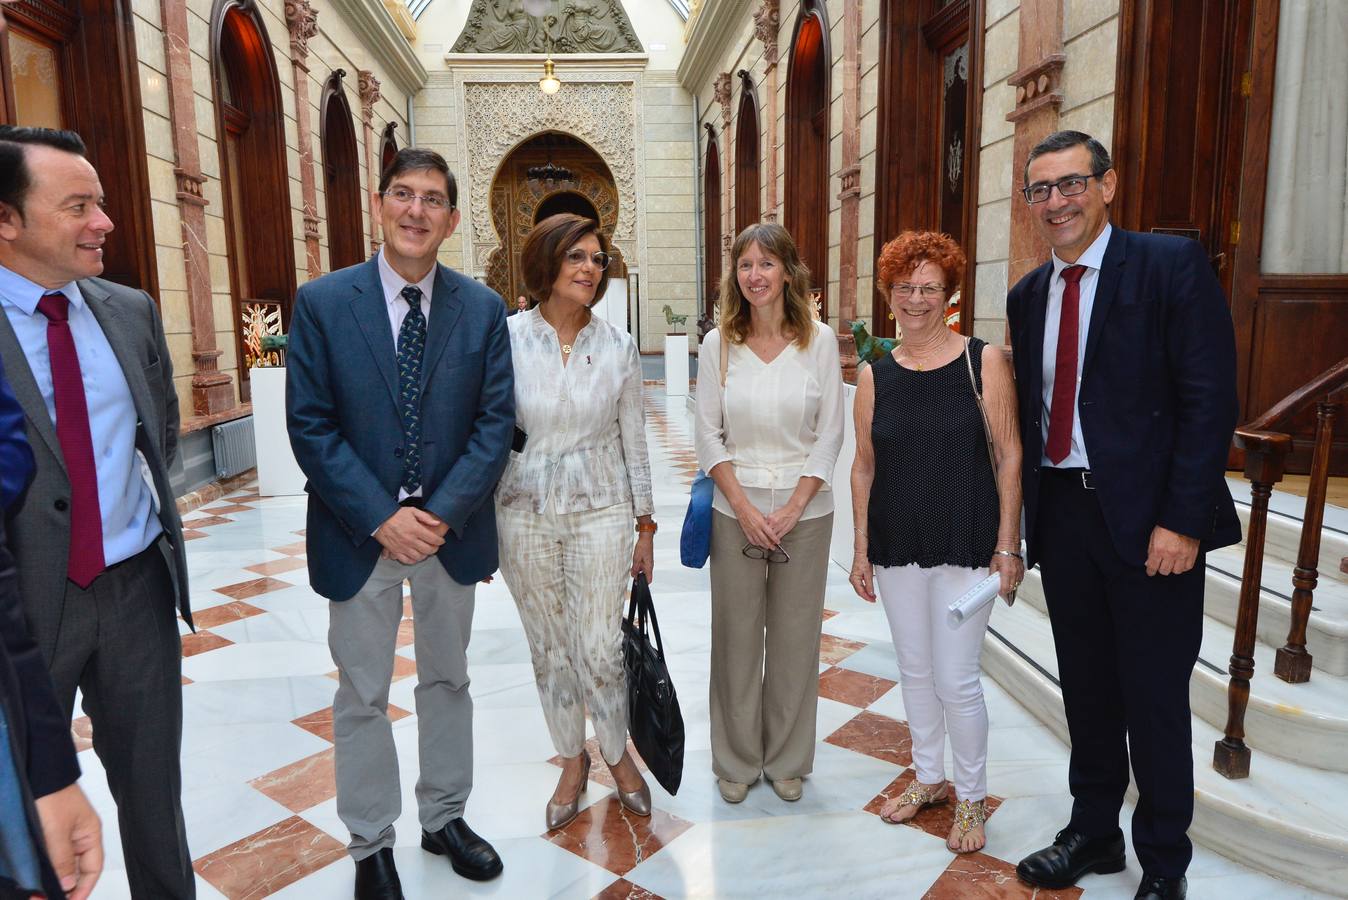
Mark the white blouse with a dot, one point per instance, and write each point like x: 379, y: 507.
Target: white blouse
x: 586, y: 425
x: 775, y: 422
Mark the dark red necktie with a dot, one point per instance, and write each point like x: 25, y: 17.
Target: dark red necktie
x: 77, y: 445
x: 1064, y: 403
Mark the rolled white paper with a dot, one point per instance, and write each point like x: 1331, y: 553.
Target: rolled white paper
x: 977, y: 597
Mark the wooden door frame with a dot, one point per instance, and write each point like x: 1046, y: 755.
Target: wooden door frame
x: 748, y: 102
x: 711, y: 223
x: 341, y: 173
x: 912, y: 32
x: 798, y: 217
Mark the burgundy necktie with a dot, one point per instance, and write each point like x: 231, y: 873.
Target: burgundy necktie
x: 77, y: 445
x: 1065, y: 368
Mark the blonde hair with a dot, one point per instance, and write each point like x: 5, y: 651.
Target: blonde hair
x: 800, y: 313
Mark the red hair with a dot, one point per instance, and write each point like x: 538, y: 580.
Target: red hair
x: 911, y: 249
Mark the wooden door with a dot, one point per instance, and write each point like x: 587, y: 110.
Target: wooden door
x: 711, y: 225
x: 747, y: 157
x: 807, y: 176
x: 1193, y: 139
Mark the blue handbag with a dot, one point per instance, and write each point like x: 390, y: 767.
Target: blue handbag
x: 695, y: 539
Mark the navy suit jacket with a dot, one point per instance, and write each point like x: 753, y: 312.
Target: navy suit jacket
x: 16, y: 457
x: 346, y: 431
x: 1158, y: 392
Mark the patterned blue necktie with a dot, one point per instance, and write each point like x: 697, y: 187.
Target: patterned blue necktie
x: 411, y: 344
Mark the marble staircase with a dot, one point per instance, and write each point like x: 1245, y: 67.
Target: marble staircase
x: 1289, y: 818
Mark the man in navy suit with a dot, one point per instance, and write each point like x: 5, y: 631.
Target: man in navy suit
x: 400, y: 405
x: 1126, y: 373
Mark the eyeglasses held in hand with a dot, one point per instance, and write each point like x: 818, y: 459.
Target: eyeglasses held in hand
x: 1067, y: 187
x: 776, y: 554
x: 929, y: 291
x: 577, y: 257
x: 430, y: 201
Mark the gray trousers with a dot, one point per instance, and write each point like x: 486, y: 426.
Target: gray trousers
x: 117, y: 641
x: 362, y: 635
x: 765, y: 624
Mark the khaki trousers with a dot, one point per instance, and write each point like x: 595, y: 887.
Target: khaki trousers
x: 765, y: 624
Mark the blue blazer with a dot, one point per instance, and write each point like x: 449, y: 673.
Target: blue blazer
x: 342, y: 415
x: 16, y: 457
x: 1158, y: 392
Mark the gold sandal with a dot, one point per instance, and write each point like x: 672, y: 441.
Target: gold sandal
x: 969, y: 814
x: 917, y: 795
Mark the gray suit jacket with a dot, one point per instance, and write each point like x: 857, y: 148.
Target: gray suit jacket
x: 39, y: 523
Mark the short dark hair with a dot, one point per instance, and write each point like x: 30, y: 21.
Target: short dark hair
x: 15, y: 179
x: 416, y: 159
x: 545, y: 248
x: 1065, y: 140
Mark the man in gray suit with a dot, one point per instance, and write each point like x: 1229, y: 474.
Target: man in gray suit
x: 96, y: 537
x: 400, y: 405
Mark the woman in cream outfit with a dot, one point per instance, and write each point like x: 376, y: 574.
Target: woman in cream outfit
x: 770, y: 440
x: 566, y: 503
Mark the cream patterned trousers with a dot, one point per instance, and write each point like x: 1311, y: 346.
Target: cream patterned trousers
x: 568, y: 574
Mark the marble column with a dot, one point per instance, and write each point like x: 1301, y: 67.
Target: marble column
x: 369, y: 96
x: 302, y: 20
x: 722, y: 94
x: 1038, y: 84
x: 767, y: 19
x: 850, y: 195
x: 212, y: 390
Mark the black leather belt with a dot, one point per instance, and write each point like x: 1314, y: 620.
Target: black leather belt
x: 417, y: 502
x: 1082, y: 476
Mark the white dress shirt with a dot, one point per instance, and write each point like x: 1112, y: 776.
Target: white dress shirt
x: 776, y: 422
x: 586, y: 425
x: 393, y: 285
x: 1092, y: 259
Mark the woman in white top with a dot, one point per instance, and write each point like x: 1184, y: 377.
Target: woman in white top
x: 566, y: 503
x: 769, y: 439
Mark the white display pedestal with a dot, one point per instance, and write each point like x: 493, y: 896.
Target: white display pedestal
x: 676, y: 365
x: 277, y: 472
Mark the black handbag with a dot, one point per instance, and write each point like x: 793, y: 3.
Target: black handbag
x: 653, y: 717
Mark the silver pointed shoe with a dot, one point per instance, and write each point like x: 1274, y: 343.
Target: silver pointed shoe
x: 638, y: 801
x: 559, y: 815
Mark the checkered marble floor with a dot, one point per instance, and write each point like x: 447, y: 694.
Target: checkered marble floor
x: 258, y: 758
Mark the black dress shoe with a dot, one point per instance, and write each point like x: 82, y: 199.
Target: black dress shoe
x: 469, y: 855
x: 1072, y: 855
x: 377, y: 878
x: 1158, y: 887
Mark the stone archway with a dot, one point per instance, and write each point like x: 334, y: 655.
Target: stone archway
x: 516, y: 199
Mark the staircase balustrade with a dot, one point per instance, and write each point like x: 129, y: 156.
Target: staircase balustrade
x: 1266, y: 444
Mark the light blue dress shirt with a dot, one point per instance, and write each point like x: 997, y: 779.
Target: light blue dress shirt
x: 125, y: 500
x: 1093, y: 258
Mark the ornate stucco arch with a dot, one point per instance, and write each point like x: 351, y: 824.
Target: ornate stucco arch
x: 501, y: 115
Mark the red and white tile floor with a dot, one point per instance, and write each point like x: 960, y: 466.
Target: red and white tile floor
x: 258, y: 758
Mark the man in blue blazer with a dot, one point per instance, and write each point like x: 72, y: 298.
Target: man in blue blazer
x: 1126, y: 374
x: 400, y: 407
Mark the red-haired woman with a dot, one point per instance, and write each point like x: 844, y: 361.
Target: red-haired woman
x: 932, y: 516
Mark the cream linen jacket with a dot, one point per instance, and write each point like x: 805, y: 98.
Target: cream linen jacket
x: 585, y: 422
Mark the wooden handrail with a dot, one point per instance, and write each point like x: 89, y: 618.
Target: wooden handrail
x: 1266, y: 445
x: 1330, y: 381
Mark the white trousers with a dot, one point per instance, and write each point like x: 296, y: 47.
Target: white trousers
x: 569, y: 574
x: 939, y: 671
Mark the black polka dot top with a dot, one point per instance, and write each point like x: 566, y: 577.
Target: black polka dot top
x: 934, y: 498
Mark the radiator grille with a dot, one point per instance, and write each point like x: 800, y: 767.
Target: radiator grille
x: 235, y: 450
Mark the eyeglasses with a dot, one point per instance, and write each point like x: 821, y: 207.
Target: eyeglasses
x: 776, y: 554
x: 577, y: 257
x: 407, y: 198
x: 1067, y: 187
x: 929, y: 291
